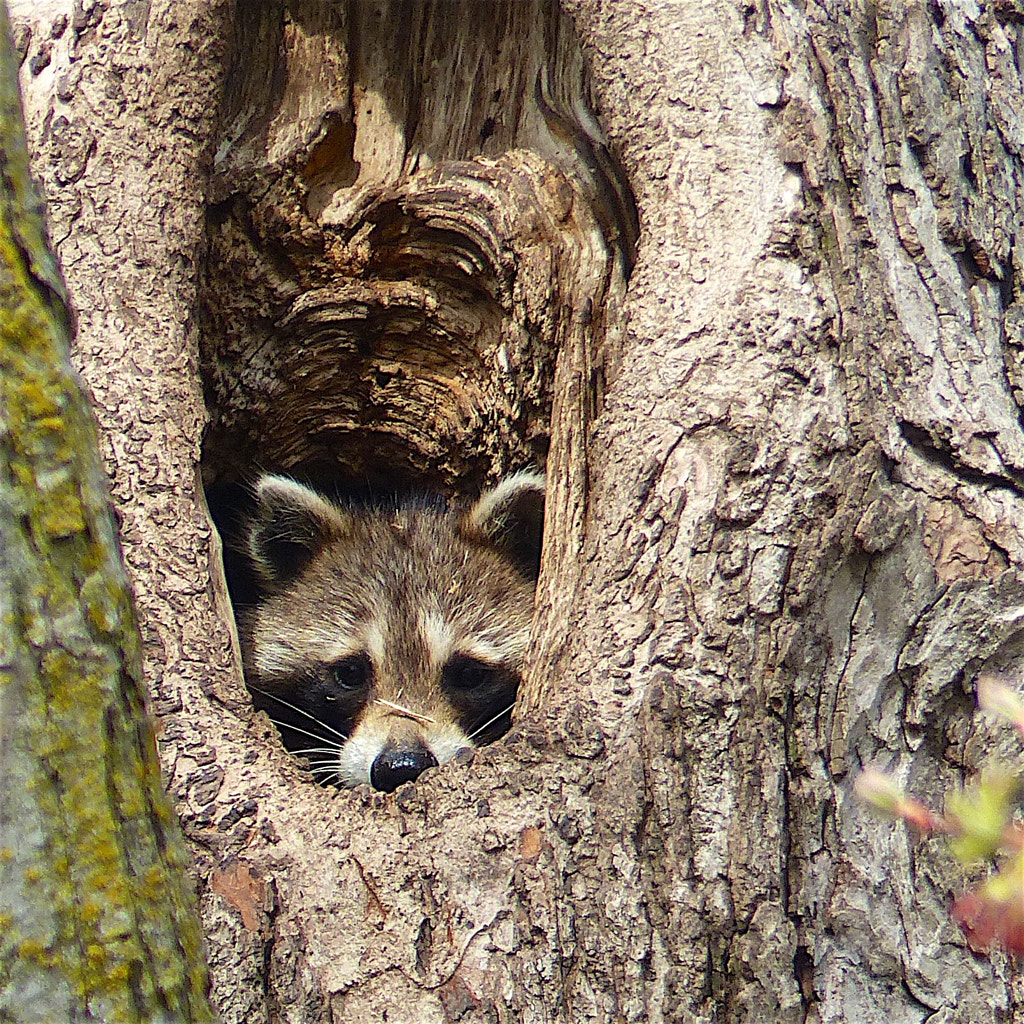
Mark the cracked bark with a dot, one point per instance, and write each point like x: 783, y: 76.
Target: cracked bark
x: 97, y: 920
x: 784, y: 535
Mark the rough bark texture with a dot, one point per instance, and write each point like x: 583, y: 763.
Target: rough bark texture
x: 786, y: 468
x: 97, y: 920
x: 412, y: 212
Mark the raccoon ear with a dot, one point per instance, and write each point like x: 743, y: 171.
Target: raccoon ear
x: 510, y: 517
x: 289, y: 527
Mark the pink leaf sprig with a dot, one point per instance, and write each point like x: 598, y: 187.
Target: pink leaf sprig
x: 993, y: 914
x: 980, y: 824
x: 885, y: 794
x: 1001, y: 700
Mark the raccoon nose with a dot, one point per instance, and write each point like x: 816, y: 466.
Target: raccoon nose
x: 393, y: 766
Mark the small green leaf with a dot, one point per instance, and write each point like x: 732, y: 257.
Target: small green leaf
x: 982, y: 813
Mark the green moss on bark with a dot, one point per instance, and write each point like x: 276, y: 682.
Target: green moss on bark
x: 96, y: 915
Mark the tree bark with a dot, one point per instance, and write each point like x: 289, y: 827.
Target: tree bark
x: 785, y: 467
x: 97, y: 920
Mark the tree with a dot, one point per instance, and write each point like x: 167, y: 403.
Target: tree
x: 785, y: 458
x: 96, y: 918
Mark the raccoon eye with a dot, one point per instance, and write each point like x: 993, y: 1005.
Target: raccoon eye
x: 465, y: 673
x: 352, y: 673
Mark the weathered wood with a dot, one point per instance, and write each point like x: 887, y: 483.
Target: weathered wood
x: 405, y: 232
x: 97, y: 915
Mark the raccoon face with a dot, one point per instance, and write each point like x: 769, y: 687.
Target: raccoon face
x: 386, y: 641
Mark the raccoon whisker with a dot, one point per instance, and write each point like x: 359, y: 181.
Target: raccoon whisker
x: 306, y: 732
x: 316, y: 750
x: 332, y: 778
x: 326, y: 780
x: 490, y: 721
x: 405, y: 711
x: 301, y: 711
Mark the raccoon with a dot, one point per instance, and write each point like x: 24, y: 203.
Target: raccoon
x: 387, y: 640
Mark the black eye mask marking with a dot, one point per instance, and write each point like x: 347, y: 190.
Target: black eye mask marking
x: 482, y: 693
x: 322, y: 706
x: 465, y: 674
x: 347, y: 675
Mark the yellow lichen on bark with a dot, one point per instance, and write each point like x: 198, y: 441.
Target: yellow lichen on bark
x: 94, y: 899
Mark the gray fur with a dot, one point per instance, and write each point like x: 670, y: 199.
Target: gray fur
x: 424, y: 600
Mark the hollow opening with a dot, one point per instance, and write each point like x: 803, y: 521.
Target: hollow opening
x: 412, y: 212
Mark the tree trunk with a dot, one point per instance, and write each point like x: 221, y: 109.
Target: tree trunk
x: 96, y: 918
x: 392, y: 241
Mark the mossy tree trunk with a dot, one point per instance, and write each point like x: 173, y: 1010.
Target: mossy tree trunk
x: 97, y: 914
x: 747, y: 277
